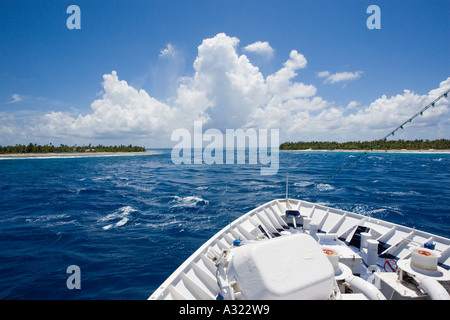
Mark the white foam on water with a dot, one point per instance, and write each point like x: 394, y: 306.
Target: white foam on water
x: 190, y: 201
x: 302, y: 184
x: 325, y: 187
x: 121, y: 214
x: 121, y: 222
x: 375, y: 211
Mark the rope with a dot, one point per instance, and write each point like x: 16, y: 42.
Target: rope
x: 359, y: 157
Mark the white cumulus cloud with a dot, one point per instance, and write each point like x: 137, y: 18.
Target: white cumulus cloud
x: 16, y: 98
x: 227, y: 91
x: 339, y: 76
x: 169, y: 50
x: 386, y: 113
x: 260, y: 47
x: 121, y: 112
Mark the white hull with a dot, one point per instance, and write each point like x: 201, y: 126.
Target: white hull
x: 363, y: 245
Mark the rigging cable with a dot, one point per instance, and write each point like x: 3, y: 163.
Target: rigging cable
x: 359, y: 157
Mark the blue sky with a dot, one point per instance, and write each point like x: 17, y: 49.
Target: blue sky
x: 51, y: 76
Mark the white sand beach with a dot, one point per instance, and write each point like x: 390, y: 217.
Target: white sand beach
x: 73, y: 154
x: 429, y: 151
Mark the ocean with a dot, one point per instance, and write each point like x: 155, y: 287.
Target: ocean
x: 128, y: 222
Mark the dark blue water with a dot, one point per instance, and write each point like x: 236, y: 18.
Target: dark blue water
x: 128, y: 222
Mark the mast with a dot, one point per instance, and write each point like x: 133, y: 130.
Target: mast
x: 287, y: 191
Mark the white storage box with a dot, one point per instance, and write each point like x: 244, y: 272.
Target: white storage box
x: 288, y: 267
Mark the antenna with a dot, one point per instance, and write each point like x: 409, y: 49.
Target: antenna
x: 287, y: 190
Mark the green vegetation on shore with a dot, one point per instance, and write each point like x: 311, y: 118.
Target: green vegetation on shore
x: 34, y: 148
x: 440, y: 144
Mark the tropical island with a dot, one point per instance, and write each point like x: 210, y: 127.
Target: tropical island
x: 49, y: 150
x: 380, y: 145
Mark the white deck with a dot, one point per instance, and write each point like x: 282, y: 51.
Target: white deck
x: 196, y: 277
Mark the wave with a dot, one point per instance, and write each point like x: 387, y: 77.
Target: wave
x: 303, y: 184
x: 407, y: 193
x: 400, y: 193
x: 376, y: 211
x: 159, y: 225
x: 121, y: 215
x: 140, y: 188
x: 325, y: 187
x: 49, y: 217
x: 108, y: 177
x: 376, y: 157
x: 188, y: 202
x: 366, y: 210
x: 52, y: 220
